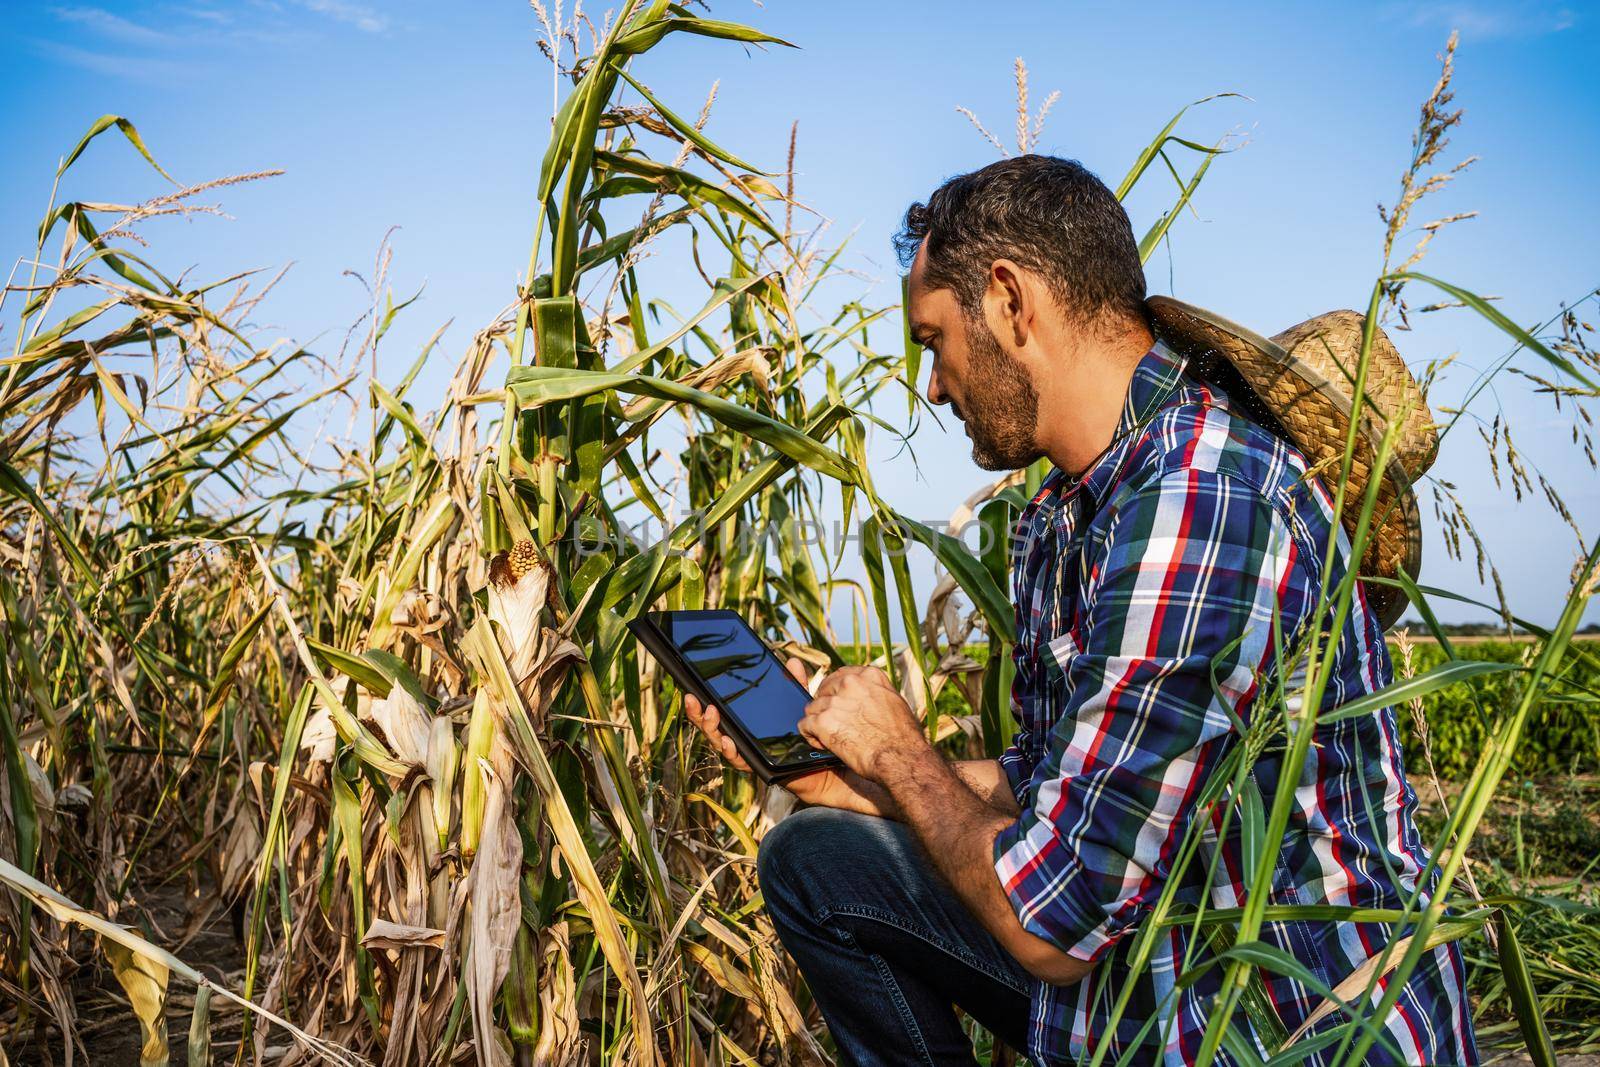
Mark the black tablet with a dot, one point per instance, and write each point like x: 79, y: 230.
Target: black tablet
x: 717, y: 656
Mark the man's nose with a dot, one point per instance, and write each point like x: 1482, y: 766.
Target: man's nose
x: 936, y: 393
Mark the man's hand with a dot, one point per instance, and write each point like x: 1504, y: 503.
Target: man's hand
x: 859, y: 716
x: 826, y: 788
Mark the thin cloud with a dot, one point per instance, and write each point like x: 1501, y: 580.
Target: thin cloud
x: 363, y: 18
x: 107, y: 24
x: 1530, y: 18
x: 130, y: 68
x: 206, y: 14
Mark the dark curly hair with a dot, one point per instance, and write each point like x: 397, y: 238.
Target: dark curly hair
x: 1050, y: 215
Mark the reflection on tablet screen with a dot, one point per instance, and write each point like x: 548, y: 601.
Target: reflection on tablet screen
x: 747, y: 679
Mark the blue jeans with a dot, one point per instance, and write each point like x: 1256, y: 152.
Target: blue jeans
x: 886, y: 948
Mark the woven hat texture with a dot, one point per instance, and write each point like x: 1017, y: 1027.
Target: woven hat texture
x: 1301, y: 384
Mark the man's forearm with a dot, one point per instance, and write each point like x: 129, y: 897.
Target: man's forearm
x: 957, y: 827
x: 983, y: 777
x: 987, y: 779
x: 955, y: 811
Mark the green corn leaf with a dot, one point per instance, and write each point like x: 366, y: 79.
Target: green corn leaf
x: 13, y: 483
x: 691, y: 187
x: 1410, y: 688
x: 1542, y: 632
x: 740, y: 832
x: 396, y: 671
x: 913, y: 351
x: 359, y: 669
x: 1524, y: 997
x: 613, y: 247
x: 347, y: 812
x: 1314, y: 913
x: 689, y: 131
x: 288, y: 753
x: 565, y: 133
x: 76, y: 215
x: 399, y: 413
x: 1252, y: 823
x: 1509, y: 328
x: 899, y: 566
x: 1237, y: 1043
x: 872, y: 560
x: 1301, y: 1051
x: 227, y: 670
x: 1271, y: 958
x: 725, y: 291
x: 200, y: 1028
x: 533, y: 386
x: 1152, y: 151
x: 1153, y: 236
x: 999, y: 724
x: 424, y: 533
x: 1257, y: 1005
x: 969, y: 572
x: 40, y: 344
x: 127, y: 129
x: 648, y: 36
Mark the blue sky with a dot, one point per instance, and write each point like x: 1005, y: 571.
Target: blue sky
x: 432, y: 118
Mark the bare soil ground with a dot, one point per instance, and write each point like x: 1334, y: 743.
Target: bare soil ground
x: 197, y: 930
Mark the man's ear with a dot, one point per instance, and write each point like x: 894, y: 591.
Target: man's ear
x: 1010, y: 301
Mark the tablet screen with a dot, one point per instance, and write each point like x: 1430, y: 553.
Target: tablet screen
x: 749, y: 681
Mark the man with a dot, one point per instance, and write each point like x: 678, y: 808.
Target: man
x: 1174, y: 538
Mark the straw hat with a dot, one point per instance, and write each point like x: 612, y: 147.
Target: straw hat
x: 1299, y: 384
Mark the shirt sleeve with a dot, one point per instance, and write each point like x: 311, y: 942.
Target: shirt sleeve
x: 1191, y: 562
x: 1018, y: 765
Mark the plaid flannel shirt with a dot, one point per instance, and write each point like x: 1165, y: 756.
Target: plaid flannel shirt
x: 1145, y: 593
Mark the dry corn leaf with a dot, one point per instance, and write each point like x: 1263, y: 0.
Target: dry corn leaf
x: 144, y: 980
x: 44, y: 797
x: 1360, y: 980
x: 405, y: 725
x: 560, y: 1042
x: 381, y: 933
x: 240, y: 853
x: 722, y: 972
x: 319, y: 738
x: 368, y: 748
x: 496, y: 910
x: 783, y: 1014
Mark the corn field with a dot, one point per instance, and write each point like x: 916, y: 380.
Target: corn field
x: 370, y: 697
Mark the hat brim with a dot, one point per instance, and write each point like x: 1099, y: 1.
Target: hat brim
x: 1306, y: 389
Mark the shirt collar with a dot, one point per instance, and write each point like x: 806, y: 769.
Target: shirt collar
x: 1154, y: 379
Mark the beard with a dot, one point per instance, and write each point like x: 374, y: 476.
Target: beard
x: 1002, y: 410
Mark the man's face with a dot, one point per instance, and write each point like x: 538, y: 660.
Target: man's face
x: 985, y: 388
